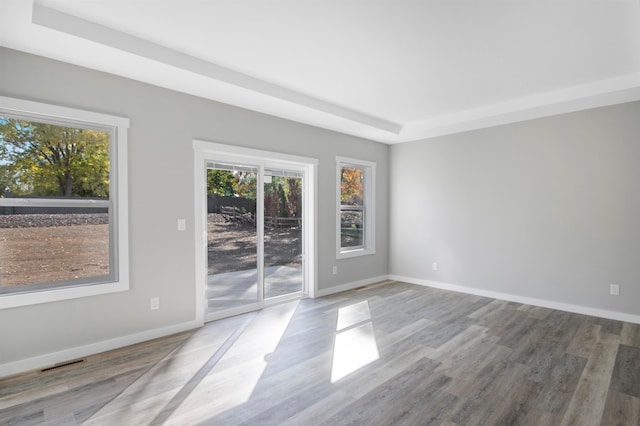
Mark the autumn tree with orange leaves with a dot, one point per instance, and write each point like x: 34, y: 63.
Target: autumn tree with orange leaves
x: 352, y: 186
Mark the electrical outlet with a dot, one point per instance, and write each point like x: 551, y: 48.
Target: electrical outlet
x: 155, y: 303
x: 182, y: 224
x: 335, y: 270
x: 614, y: 290
x: 434, y: 266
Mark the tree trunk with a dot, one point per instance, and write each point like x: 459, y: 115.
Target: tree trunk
x: 68, y: 185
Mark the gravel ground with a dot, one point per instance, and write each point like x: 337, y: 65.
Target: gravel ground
x: 46, y: 220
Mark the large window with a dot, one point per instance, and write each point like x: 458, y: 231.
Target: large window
x: 62, y: 192
x: 355, y: 214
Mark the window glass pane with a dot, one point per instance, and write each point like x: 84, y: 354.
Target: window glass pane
x: 351, y: 226
x: 232, y: 236
x: 351, y: 207
x: 52, y: 244
x: 352, y: 186
x: 49, y: 160
x: 282, y: 233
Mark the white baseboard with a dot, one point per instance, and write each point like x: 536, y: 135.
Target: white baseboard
x: 567, y: 307
x: 42, y: 361
x: 46, y: 360
x: 350, y: 286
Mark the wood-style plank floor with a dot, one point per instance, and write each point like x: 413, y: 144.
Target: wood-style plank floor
x: 387, y: 354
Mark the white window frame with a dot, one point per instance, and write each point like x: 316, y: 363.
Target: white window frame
x: 369, y: 246
x: 117, y: 128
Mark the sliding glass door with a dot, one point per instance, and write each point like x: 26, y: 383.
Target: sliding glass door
x: 255, y: 234
x: 232, y: 236
x: 283, y: 235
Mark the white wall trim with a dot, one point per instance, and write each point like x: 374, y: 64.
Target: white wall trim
x: 351, y: 285
x: 551, y: 304
x: 46, y: 360
x: 42, y: 361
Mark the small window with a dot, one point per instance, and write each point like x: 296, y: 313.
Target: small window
x: 62, y: 227
x: 355, y: 219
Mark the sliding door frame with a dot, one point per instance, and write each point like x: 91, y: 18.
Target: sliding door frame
x: 206, y: 152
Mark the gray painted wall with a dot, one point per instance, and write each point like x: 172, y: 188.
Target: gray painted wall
x: 163, y: 125
x: 547, y: 208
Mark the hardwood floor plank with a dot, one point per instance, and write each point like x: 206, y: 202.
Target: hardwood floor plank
x: 438, y: 334
x: 471, y: 357
x: 515, y: 330
x: 626, y: 372
x: 441, y: 358
x: 503, y: 321
x: 497, y: 385
x: 609, y: 326
x: 18, y: 389
x: 630, y: 335
x: 560, y: 384
x: 587, y: 404
x: 416, y: 383
x: 541, y: 360
x: 478, y: 375
x: 584, y: 340
x: 235, y: 377
x: 487, y: 311
x: 355, y: 387
x: 621, y: 410
x: 536, y: 311
x: 521, y: 401
x: 451, y: 352
x: 538, y: 417
x: 142, y: 401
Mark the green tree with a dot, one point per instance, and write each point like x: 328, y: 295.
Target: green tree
x: 282, y: 198
x: 50, y: 160
x: 245, y: 185
x: 294, y: 197
x: 220, y: 182
x: 271, y: 204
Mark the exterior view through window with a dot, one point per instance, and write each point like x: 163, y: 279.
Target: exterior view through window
x: 254, y: 253
x: 355, y: 231
x: 282, y: 232
x: 55, y: 205
x: 352, y: 209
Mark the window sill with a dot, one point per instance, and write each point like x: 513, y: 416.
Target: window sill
x: 54, y: 295
x: 345, y: 254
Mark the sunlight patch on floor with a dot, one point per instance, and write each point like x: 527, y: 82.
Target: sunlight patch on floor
x: 355, y: 343
x: 234, y: 378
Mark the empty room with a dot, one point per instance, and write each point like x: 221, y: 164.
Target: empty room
x: 320, y: 212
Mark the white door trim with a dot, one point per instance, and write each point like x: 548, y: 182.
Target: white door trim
x: 209, y: 151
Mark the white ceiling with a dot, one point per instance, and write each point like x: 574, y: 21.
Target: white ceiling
x: 387, y: 70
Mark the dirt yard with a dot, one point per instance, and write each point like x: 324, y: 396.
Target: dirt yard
x: 45, y: 248
x: 68, y: 247
x: 232, y: 246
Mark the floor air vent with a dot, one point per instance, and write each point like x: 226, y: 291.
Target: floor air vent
x: 62, y: 364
